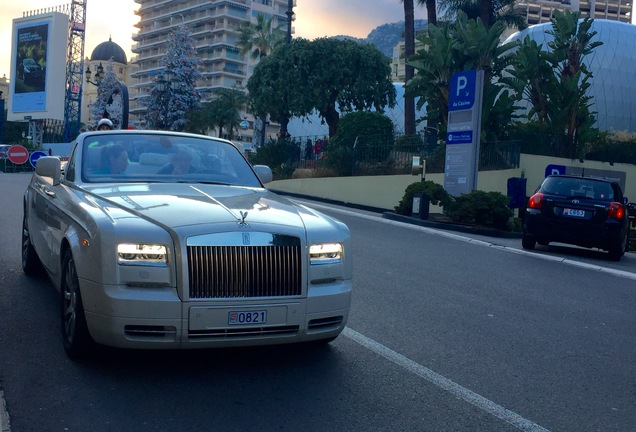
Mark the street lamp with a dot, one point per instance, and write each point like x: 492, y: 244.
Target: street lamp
x: 115, y: 93
x: 284, y: 121
x: 290, y: 16
x: 99, y: 74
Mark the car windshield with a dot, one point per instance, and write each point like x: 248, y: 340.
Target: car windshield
x: 128, y: 158
x: 578, y: 187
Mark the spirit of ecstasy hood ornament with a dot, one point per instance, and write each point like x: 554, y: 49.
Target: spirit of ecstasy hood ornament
x: 243, y: 216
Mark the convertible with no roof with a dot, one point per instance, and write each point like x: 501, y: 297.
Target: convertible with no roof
x: 169, y: 240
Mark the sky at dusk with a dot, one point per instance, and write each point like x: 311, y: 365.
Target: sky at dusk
x: 116, y: 19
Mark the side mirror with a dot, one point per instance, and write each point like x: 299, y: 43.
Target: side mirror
x: 49, y: 166
x: 264, y: 173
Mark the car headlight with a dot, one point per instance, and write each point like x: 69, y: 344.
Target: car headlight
x: 141, y: 254
x: 325, y: 253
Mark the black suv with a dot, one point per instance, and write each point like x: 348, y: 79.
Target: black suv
x: 583, y: 211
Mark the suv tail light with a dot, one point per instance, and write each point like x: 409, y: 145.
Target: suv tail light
x: 616, y: 211
x: 535, y: 201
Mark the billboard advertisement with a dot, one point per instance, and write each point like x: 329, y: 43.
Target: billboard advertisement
x: 38, y: 67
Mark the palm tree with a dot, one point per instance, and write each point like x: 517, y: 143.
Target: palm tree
x: 260, y: 39
x: 409, y: 51
x: 489, y: 11
x: 453, y: 47
x: 572, y: 42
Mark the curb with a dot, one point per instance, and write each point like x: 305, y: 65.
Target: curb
x: 450, y: 226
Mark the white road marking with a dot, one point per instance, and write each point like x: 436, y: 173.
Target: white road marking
x: 431, y: 376
x: 444, y: 383
x: 451, y: 235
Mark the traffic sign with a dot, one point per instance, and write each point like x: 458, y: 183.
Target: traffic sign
x: 462, y: 90
x: 553, y: 169
x: 35, y: 156
x: 18, y: 154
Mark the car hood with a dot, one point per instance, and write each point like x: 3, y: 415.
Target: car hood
x: 177, y: 205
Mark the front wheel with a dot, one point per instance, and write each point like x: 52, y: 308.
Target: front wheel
x: 75, y: 336
x: 528, y: 242
x: 31, y: 264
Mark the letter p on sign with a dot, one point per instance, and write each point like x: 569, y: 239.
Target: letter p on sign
x: 462, y: 82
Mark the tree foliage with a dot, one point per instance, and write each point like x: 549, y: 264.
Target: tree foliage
x: 321, y: 75
x: 362, y: 136
x: 260, y: 38
x: 489, y: 11
x: 174, y: 92
x: 454, y: 47
x: 554, y: 82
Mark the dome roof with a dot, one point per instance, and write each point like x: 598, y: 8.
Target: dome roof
x: 613, y: 87
x: 105, y: 50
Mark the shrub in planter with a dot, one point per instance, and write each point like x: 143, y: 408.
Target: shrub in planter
x: 488, y: 209
x: 436, y: 193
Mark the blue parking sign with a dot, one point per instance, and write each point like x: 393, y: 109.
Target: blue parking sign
x: 462, y: 90
x: 553, y: 169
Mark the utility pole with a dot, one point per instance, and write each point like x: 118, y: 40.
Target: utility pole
x: 284, y: 121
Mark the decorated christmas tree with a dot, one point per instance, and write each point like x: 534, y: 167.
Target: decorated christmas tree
x: 108, y: 86
x: 174, y: 91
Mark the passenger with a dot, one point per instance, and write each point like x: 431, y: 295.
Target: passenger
x: 114, y: 159
x: 180, y: 163
x: 105, y: 124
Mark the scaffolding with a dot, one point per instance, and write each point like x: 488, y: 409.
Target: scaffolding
x: 74, y: 69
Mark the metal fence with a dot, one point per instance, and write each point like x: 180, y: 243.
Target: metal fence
x: 374, y: 155
x: 390, y: 155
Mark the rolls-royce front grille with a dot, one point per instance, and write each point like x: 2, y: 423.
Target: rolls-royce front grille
x: 245, y: 271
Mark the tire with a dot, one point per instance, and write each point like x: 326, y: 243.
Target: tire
x: 31, y: 264
x: 528, y: 242
x: 77, y: 341
x: 323, y: 342
x: 619, y: 248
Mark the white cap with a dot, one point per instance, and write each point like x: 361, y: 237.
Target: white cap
x: 106, y: 122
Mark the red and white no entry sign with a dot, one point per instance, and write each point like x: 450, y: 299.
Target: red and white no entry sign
x: 18, y: 154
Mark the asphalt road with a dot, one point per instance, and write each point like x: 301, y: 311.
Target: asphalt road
x: 447, y: 333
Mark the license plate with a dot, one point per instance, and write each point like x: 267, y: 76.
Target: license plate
x: 573, y: 212
x: 247, y: 317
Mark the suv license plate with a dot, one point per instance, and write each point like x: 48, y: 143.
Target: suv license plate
x: 247, y: 317
x: 573, y: 212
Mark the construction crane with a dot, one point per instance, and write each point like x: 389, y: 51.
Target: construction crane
x: 74, y: 69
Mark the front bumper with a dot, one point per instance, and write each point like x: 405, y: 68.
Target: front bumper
x: 152, y: 318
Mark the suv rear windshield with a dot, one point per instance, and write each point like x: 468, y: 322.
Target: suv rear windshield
x: 578, y: 187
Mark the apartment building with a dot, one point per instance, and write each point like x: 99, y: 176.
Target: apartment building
x: 215, y: 25
x: 540, y: 11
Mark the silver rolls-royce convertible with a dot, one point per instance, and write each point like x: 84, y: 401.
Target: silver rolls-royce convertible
x: 169, y: 240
